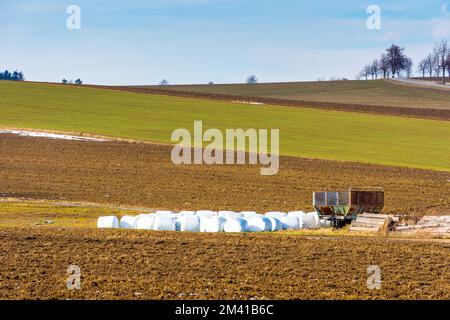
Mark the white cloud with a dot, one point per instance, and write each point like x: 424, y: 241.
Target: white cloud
x: 444, y: 8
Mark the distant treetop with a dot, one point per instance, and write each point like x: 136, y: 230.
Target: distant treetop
x: 15, y: 76
x: 252, y: 79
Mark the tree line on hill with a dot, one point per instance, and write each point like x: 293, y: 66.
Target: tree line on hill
x: 15, y: 76
x: 394, y: 62
x: 251, y: 79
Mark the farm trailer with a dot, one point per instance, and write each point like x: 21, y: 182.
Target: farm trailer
x: 342, y: 207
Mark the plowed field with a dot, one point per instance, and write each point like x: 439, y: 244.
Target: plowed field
x: 143, y: 175
x: 118, y: 264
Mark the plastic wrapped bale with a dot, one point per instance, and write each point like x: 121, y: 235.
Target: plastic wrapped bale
x: 259, y: 224
x: 275, y: 214
x: 164, y: 223
x: 212, y: 224
x: 296, y: 213
x: 316, y: 219
x: 325, y: 223
x: 128, y: 222
x: 186, y: 213
x: 107, y: 222
x: 145, y: 222
x: 164, y: 212
x: 276, y: 224
x: 189, y: 223
x: 206, y: 213
x: 311, y: 220
x: 299, y: 215
x: 228, y: 214
x: 290, y: 222
x: 248, y: 214
x: 236, y: 225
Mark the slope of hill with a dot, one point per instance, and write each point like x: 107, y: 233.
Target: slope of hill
x: 376, y: 93
x: 376, y: 97
x: 304, y: 132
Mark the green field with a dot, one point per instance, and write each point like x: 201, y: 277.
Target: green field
x: 377, y: 92
x: 304, y: 132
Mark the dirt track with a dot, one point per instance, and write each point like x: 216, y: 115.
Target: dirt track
x: 156, y: 265
x: 143, y: 175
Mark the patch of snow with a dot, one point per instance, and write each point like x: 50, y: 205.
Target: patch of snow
x: 26, y: 133
x: 249, y: 102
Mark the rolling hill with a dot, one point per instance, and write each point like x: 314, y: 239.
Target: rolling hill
x: 304, y: 132
x: 376, y: 93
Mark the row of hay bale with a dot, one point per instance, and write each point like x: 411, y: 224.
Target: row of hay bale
x: 215, y: 221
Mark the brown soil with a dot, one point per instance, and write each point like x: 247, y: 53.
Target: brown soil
x: 121, y: 264
x: 139, y: 174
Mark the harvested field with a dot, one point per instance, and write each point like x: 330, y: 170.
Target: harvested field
x: 141, y: 174
x: 121, y: 264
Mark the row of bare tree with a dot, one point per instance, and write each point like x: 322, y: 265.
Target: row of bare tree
x: 391, y: 63
x: 436, y: 62
x: 394, y: 62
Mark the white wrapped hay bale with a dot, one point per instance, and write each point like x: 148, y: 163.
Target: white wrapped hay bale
x: 144, y: 215
x: 299, y: 215
x: 325, y: 223
x: 145, y: 222
x: 275, y: 214
x: 236, y: 225
x: 225, y: 212
x: 186, y: 213
x: 290, y: 222
x: 228, y: 214
x: 190, y: 223
x: 164, y: 223
x: 296, y: 213
x: 258, y: 224
x: 206, y: 213
x: 248, y: 214
x: 107, y: 222
x: 128, y: 222
x: 212, y: 224
x: 276, y: 224
x: 164, y: 213
x: 311, y: 220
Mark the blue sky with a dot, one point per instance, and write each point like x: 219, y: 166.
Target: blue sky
x: 197, y: 41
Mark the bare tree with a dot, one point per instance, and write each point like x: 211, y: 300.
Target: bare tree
x: 441, y: 54
x: 396, y: 58
x: 164, y: 82
x: 252, y: 79
x: 374, y: 70
x: 366, y: 71
x: 422, y: 67
x: 447, y: 64
x: 383, y: 65
x: 408, y: 66
x: 429, y: 61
